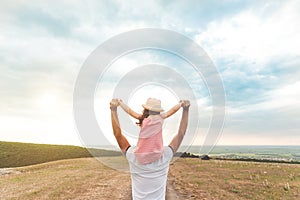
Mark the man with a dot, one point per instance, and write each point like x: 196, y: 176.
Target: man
x: 149, y: 180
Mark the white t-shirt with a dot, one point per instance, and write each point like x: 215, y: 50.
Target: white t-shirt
x: 149, y: 181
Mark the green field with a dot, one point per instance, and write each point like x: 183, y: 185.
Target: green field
x: 89, y: 178
x: 15, y: 154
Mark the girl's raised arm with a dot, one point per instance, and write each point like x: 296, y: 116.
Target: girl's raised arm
x: 129, y: 110
x: 172, y: 110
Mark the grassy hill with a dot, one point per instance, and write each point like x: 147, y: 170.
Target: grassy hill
x: 87, y: 178
x: 15, y: 154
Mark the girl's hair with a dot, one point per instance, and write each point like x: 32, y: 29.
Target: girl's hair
x: 146, y: 114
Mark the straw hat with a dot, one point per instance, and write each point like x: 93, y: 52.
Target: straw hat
x: 153, y: 105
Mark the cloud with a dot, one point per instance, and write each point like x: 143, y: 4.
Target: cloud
x: 35, y: 130
x: 276, y: 117
x: 256, y: 49
x: 285, y: 98
x: 254, y: 36
x: 257, y: 53
x: 255, y: 46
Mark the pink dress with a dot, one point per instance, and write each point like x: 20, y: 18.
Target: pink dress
x: 150, y: 143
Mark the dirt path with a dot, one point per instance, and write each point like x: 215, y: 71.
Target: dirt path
x: 171, y: 193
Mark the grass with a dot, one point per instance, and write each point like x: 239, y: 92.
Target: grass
x: 15, y: 154
x: 87, y: 178
x: 81, y: 178
x: 216, y: 179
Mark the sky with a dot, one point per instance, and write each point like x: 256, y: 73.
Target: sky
x: 255, y: 46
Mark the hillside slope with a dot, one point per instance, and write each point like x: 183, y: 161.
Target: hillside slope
x: 15, y: 154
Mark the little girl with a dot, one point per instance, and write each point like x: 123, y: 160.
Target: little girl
x: 150, y: 143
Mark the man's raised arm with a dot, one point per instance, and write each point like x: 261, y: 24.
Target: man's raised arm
x: 176, y: 141
x: 121, y: 139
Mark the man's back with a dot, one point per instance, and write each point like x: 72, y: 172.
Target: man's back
x: 149, y: 181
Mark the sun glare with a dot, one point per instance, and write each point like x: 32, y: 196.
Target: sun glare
x: 47, y: 101
x: 139, y: 96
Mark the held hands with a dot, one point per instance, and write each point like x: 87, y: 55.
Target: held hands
x: 114, y: 103
x: 181, y: 102
x: 185, y: 104
x: 119, y: 101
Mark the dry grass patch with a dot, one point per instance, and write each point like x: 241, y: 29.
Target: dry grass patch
x: 84, y: 178
x: 213, y: 179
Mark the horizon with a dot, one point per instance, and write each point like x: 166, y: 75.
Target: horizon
x: 111, y: 145
x: 255, y: 47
